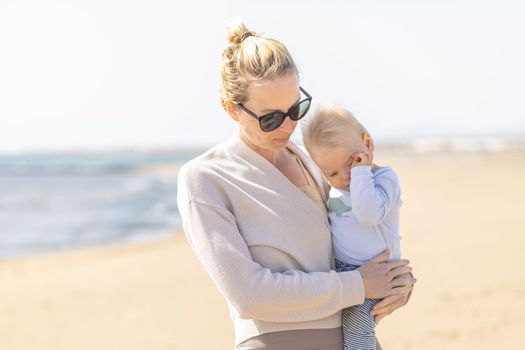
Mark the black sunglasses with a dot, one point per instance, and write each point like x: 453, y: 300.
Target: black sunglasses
x: 273, y: 120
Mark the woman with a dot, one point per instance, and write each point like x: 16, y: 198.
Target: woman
x: 253, y: 209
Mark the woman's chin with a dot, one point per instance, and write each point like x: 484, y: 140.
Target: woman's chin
x: 281, y: 142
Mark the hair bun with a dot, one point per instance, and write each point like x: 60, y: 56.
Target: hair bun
x: 238, y: 32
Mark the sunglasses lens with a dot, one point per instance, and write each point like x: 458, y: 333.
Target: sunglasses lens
x: 303, y: 108
x: 272, y: 121
x: 295, y: 112
x: 298, y: 111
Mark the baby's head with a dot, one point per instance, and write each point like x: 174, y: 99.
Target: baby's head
x: 332, y: 137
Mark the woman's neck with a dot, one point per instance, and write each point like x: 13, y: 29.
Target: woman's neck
x: 270, y: 155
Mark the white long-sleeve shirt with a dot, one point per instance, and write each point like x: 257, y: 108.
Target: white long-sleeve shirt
x: 264, y: 243
x: 365, y: 220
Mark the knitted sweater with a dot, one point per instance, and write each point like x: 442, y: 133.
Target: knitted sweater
x: 264, y: 243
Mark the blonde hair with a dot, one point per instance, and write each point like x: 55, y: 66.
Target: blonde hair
x: 329, y: 127
x: 247, y: 58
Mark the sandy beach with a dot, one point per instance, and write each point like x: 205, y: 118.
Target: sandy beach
x: 462, y: 221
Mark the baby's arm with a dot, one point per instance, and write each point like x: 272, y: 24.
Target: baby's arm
x: 372, y: 198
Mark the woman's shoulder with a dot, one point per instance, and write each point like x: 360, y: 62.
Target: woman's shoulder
x: 207, y: 176
x: 215, y: 158
x: 211, y: 155
x: 206, y: 164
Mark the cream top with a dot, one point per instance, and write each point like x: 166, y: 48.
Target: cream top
x: 310, y: 189
x: 264, y: 243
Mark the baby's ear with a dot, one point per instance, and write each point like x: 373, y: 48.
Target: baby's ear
x: 369, y: 143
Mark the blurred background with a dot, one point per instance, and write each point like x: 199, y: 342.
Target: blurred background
x: 101, y: 102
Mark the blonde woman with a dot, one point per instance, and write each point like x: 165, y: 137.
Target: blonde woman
x: 253, y: 209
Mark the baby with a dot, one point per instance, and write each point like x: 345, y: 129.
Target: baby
x: 363, y: 206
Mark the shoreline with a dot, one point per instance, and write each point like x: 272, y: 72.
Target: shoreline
x: 84, y: 253
x: 83, y: 249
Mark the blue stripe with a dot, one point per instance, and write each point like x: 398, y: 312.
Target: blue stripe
x: 358, y: 325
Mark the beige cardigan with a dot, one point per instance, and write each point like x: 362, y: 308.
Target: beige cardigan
x: 264, y: 243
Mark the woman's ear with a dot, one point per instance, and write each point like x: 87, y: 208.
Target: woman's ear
x: 232, y: 110
x: 369, y: 143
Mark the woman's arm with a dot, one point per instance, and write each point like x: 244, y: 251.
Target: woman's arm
x: 255, y: 291
x: 291, y: 296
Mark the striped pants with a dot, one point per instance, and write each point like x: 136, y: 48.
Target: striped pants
x: 358, y: 326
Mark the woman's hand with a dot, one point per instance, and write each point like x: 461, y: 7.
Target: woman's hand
x: 380, y: 278
x: 387, y: 306
x: 391, y: 303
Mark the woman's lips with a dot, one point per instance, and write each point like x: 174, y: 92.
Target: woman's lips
x: 283, y: 140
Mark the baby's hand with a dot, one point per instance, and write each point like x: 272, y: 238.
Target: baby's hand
x: 360, y: 159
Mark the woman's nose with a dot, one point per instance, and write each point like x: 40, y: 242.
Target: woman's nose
x: 288, y: 125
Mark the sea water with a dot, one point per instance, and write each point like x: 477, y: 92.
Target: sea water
x: 57, y: 202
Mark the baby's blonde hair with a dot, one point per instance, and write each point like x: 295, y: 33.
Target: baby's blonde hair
x: 329, y: 127
x: 247, y: 58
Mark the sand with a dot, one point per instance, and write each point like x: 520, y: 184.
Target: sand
x: 462, y: 222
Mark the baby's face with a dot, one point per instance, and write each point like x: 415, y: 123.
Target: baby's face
x: 335, y: 162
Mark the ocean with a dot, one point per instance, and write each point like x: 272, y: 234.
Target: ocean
x: 63, y: 201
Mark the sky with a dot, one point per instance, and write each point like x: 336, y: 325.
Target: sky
x: 112, y: 74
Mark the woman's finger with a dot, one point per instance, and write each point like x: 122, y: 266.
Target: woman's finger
x: 396, y: 263
x: 398, y: 271
x: 402, y: 281
x: 386, y: 302
x: 387, y: 310
x: 406, y: 275
x: 400, y: 290
x: 378, y: 318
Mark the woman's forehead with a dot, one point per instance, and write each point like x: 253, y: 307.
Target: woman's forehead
x: 277, y: 94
